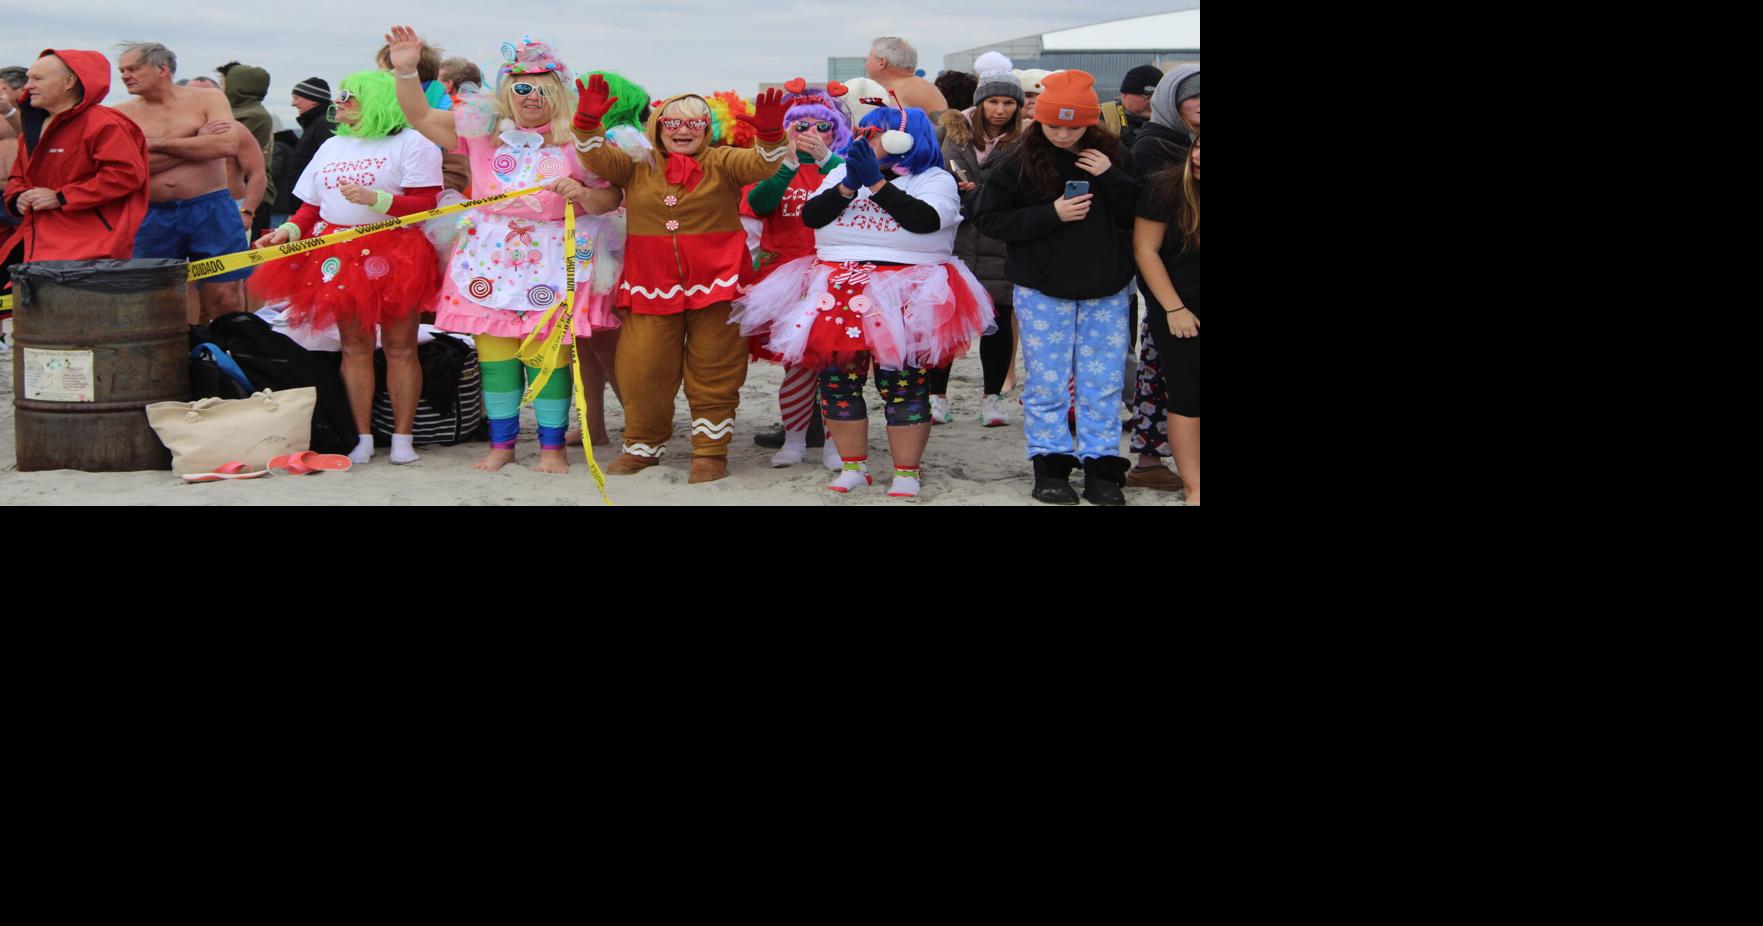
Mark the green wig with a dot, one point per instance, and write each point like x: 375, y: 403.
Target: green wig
x: 380, y: 115
x: 633, y: 101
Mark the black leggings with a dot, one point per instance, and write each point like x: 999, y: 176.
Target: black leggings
x: 996, y: 353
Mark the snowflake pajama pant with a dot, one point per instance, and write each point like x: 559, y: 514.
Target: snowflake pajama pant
x: 1060, y: 338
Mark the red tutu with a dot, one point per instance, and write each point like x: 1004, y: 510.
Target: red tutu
x: 366, y: 281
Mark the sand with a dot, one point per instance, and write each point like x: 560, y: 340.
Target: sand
x: 965, y: 464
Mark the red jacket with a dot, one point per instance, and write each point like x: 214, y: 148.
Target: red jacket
x: 92, y: 155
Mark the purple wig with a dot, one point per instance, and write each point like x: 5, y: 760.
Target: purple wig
x: 815, y: 106
x: 925, y: 153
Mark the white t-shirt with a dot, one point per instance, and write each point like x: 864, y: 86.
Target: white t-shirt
x: 865, y: 231
x: 394, y: 164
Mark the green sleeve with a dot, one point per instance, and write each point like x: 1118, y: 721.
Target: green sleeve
x: 766, y: 194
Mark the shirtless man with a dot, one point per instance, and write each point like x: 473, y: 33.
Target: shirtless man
x: 893, y: 63
x: 190, y: 137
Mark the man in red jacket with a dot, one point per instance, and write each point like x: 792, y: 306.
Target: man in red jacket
x: 79, y: 185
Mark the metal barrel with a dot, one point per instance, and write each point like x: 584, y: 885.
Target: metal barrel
x: 96, y: 342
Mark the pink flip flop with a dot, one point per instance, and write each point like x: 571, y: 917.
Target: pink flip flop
x: 233, y: 470
x: 291, y: 463
x: 310, y: 461
x: 329, y: 462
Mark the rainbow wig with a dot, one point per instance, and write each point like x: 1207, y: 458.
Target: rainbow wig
x: 726, y: 108
x: 633, y: 101
x: 380, y: 115
x: 815, y: 107
x: 925, y: 153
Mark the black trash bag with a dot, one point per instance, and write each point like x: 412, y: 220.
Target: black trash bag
x: 100, y: 276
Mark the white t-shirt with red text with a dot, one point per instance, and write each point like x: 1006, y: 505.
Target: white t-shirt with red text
x: 395, y: 164
x: 866, y: 232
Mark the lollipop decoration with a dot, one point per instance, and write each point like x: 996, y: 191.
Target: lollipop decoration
x: 480, y: 288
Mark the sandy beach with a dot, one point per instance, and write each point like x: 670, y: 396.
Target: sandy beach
x: 966, y: 464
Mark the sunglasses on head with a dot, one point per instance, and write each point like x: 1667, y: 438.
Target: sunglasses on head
x: 691, y: 125
x: 805, y: 125
x: 343, y: 96
x: 523, y: 88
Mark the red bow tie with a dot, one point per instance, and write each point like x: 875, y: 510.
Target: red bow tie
x: 684, y: 170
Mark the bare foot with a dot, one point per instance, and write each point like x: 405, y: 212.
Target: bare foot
x: 1192, y: 497
x: 574, y: 438
x: 552, y: 461
x: 601, y: 438
x: 494, y: 460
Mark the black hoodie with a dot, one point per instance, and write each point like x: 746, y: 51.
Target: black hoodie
x: 1086, y: 259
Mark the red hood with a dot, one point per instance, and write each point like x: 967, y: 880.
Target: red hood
x: 93, y: 70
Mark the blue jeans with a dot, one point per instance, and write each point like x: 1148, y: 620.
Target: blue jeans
x: 1062, y: 338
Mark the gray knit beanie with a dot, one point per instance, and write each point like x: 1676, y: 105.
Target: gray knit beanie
x: 998, y: 83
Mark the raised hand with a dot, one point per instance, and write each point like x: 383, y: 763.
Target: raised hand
x: 768, y: 115
x: 405, y: 48
x: 593, y: 100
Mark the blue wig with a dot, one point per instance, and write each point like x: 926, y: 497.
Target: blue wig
x: 925, y: 153
x: 816, y: 108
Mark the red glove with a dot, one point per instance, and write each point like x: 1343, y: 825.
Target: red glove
x: 595, y: 100
x: 768, y: 116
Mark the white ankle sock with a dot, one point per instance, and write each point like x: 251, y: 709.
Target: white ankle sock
x: 852, y: 474
x: 403, y: 451
x: 829, y: 456
x: 905, y: 484
x: 794, y: 449
x: 363, y: 452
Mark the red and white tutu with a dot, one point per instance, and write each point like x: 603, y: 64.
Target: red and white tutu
x: 367, y: 281
x: 817, y: 312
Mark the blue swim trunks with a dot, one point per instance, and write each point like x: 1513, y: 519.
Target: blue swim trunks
x: 206, y: 226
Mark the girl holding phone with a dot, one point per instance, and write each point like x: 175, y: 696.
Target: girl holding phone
x: 1069, y: 260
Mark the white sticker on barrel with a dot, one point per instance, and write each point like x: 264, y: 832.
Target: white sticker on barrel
x: 58, y: 375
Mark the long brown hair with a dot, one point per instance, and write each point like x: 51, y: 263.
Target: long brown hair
x: 1035, y: 156
x: 1175, y: 192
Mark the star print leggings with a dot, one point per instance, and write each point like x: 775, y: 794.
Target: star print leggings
x: 905, y: 393
x: 1060, y: 338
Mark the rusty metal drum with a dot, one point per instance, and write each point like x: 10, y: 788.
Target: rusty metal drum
x: 96, y: 342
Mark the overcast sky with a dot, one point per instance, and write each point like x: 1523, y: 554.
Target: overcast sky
x: 667, y: 46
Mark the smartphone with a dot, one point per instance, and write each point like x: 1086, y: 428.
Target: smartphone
x: 960, y: 174
x: 1075, y: 188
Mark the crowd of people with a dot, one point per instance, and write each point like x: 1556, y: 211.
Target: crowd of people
x: 876, y: 230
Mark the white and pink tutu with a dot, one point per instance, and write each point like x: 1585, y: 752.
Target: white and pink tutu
x: 817, y: 313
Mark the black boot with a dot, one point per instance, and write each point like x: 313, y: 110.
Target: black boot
x: 775, y: 439
x: 1104, y: 477
x: 1053, y: 479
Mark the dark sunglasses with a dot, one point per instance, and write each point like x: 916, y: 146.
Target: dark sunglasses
x: 343, y: 96
x: 523, y: 88
x: 805, y: 125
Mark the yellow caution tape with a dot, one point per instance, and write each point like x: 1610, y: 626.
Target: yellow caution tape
x: 227, y: 263
x: 545, y: 354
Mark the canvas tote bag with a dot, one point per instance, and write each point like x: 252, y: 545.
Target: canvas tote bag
x: 204, y: 434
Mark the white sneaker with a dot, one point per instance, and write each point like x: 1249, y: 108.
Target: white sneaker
x: 991, y: 412
x: 939, y: 410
